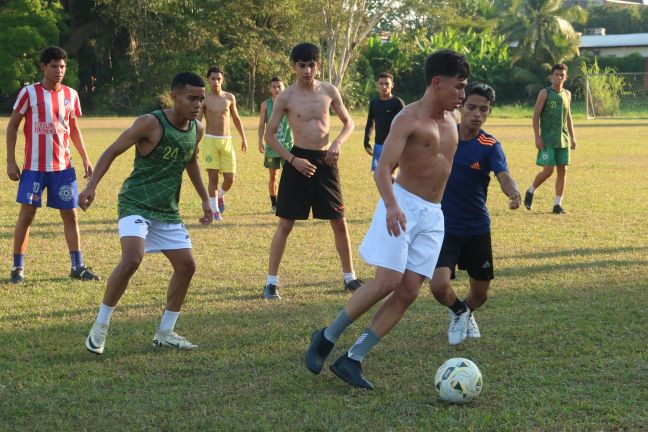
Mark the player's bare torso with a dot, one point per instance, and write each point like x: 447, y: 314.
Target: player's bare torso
x: 307, y: 111
x: 426, y: 160
x: 216, y: 110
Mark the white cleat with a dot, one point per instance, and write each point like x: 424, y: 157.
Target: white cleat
x: 458, y: 329
x: 96, y: 338
x: 172, y: 340
x: 473, y: 328
x: 218, y: 217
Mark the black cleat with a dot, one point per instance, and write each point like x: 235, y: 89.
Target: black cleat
x: 318, y: 350
x: 84, y: 273
x: 270, y: 292
x: 557, y: 209
x: 353, y: 285
x: 350, y: 371
x: 528, y: 200
x: 17, y: 276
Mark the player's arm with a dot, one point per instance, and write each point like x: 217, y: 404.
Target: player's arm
x: 262, y: 125
x: 77, y: 140
x: 402, y: 127
x: 537, y: 110
x: 368, y: 129
x: 13, y: 171
x: 338, y: 106
x: 510, y: 189
x: 570, y: 123
x: 138, y: 131
x: 238, y: 124
x: 193, y: 171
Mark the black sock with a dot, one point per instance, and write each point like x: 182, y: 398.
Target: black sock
x: 273, y: 200
x: 458, y: 307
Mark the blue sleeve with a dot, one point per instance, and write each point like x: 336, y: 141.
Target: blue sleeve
x: 498, y: 159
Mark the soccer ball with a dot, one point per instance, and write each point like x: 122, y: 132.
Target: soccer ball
x: 458, y: 380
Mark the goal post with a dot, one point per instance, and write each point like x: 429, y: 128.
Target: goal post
x: 616, y: 95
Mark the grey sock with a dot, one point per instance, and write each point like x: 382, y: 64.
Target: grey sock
x: 363, y: 345
x: 337, y: 327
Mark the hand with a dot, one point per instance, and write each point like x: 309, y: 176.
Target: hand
x: 515, y: 200
x: 539, y: 143
x: 244, y: 145
x: 306, y: 168
x: 87, y: 168
x: 208, y: 213
x: 396, y: 221
x: 369, y: 150
x: 13, y: 171
x: 332, y: 154
x: 261, y: 148
x: 86, y: 197
x: 573, y: 144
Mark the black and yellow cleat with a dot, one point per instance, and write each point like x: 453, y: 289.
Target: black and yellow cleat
x: 84, y: 273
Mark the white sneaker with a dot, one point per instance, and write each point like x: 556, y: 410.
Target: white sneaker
x: 218, y: 217
x: 96, y: 338
x: 172, y: 340
x: 458, y: 327
x: 473, y: 328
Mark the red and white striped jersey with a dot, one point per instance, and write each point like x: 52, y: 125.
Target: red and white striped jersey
x: 47, y: 126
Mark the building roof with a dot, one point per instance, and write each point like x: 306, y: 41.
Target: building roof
x: 610, y: 41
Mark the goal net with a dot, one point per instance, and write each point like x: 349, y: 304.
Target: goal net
x: 620, y: 95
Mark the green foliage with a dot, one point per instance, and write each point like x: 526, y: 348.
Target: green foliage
x: 28, y: 26
x: 604, y: 88
x: 617, y: 19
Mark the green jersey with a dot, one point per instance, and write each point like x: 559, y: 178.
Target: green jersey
x: 153, y: 188
x: 553, y: 120
x: 283, y: 135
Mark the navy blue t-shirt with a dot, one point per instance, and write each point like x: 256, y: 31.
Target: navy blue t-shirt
x: 464, y: 199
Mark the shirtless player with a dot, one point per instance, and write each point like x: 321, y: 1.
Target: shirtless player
x: 406, y: 233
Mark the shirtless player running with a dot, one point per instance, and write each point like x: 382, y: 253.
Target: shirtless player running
x: 405, y: 236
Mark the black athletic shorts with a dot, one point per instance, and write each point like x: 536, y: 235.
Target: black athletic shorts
x: 298, y: 193
x: 471, y: 253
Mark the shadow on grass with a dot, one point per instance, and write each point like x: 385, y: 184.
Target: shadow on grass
x: 579, y: 252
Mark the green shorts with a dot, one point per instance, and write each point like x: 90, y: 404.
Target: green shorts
x: 273, y: 162
x: 550, y: 156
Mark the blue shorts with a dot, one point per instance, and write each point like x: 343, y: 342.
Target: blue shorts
x: 61, y: 188
x: 376, y: 155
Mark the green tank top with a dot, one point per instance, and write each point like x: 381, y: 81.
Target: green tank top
x: 153, y: 188
x: 284, y: 135
x: 553, y: 120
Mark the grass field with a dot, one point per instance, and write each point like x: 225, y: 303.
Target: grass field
x: 562, y: 333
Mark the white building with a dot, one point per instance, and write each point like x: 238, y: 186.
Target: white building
x: 615, y: 45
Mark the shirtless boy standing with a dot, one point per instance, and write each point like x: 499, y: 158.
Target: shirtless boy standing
x: 310, y: 178
x: 405, y: 236
x: 217, y: 151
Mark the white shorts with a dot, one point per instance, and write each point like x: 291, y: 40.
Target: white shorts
x: 417, y: 249
x: 158, y: 235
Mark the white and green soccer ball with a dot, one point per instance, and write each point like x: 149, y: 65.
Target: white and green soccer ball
x: 458, y: 380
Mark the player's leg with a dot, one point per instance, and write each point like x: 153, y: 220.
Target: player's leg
x: 73, y: 239
x: 272, y: 187
x: 363, y: 299
x: 343, y: 246
x: 348, y: 367
x: 212, y: 188
x: 540, y: 178
x: 277, y: 248
x: 480, y: 267
x: 132, y: 253
x: 561, y: 180
x: 26, y: 216
x: 184, y: 268
x: 228, y: 168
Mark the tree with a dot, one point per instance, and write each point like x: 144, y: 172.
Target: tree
x: 28, y: 26
x: 542, y: 30
x: 347, y: 23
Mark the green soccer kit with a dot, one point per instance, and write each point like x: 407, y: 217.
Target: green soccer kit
x: 283, y: 135
x: 153, y: 188
x: 554, y: 130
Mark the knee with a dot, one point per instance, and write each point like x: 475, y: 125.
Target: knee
x: 438, y: 289
x: 339, y: 225
x: 129, y: 264
x: 26, y: 217
x: 285, y: 227
x: 387, y: 285
x: 408, y: 294
x: 69, y: 216
x: 187, y: 268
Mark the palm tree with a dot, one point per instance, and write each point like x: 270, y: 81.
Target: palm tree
x: 542, y: 30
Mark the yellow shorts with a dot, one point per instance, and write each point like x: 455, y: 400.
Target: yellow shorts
x: 217, y: 153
